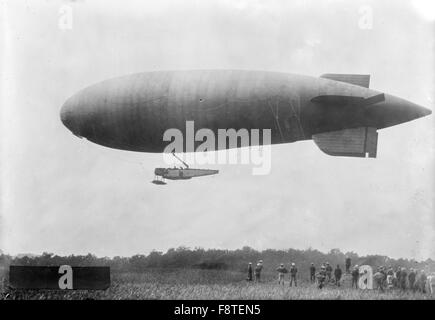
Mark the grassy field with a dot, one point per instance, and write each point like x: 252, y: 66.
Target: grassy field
x: 203, y: 284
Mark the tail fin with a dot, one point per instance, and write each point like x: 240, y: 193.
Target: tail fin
x: 362, y: 80
x: 357, y: 142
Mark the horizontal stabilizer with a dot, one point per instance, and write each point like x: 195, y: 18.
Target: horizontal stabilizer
x: 357, y: 142
x: 375, y: 99
x: 338, y: 100
x: 362, y: 80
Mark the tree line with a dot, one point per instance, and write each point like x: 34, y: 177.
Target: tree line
x: 199, y: 258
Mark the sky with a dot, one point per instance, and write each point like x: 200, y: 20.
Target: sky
x: 67, y: 195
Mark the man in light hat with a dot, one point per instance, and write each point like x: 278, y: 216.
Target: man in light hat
x: 281, y: 272
x: 293, y: 272
x: 257, y: 270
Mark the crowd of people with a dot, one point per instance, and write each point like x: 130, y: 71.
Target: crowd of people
x: 401, y: 278
x: 384, y: 278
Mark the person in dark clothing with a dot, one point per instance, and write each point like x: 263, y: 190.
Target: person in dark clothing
x: 398, y: 277
x: 257, y: 271
x: 249, y: 272
x: 355, y: 276
x: 380, y: 278
x: 312, y: 273
x: 293, y: 272
x: 328, y: 272
x: 422, y: 281
x: 411, y: 279
x: 337, y: 274
x: 384, y: 273
x: 348, y: 264
x: 403, y: 277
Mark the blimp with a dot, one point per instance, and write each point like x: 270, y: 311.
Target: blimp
x: 339, y: 112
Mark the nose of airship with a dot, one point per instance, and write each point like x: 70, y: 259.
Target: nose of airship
x: 70, y: 117
x: 87, y: 114
x: 396, y: 110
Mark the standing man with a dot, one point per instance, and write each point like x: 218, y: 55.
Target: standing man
x: 403, y: 276
x: 423, y: 279
x: 312, y: 273
x: 328, y: 272
x: 249, y: 271
x: 390, y: 284
x: 355, y: 276
x: 257, y: 270
x: 321, y: 277
x: 430, y: 283
x: 293, y: 272
x: 398, y: 277
x: 281, y: 272
x: 411, y: 279
x: 337, y: 274
x: 379, y: 278
x: 348, y: 264
x: 384, y: 273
